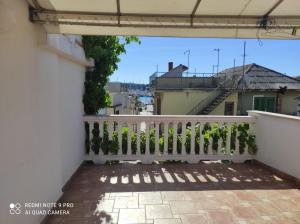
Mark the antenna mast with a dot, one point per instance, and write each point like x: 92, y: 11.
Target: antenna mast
x: 218, y: 65
x: 188, y: 55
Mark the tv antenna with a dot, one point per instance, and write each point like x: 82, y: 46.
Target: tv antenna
x: 188, y: 52
x: 218, y: 64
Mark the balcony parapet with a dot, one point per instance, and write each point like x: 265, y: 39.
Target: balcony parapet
x: 169, y: 137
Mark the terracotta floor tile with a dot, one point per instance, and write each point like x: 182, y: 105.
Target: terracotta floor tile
x: 126, y: 202
x: 184, y: 207
x: 295, y: 216
x: 167, y: 221
x: 104, y: 205
x: 264, y: 208
x: 221, y: 217
x: 267, y: 194
x: 104, y: 218
x: 129, y: 216
x: 286, y: 205
x: 281, y: 220
x: 120, y: 194
x: 158, y: 211
x: 150, y: 198
x: 194, y: 219
x: 245, y: 195
x: 244, y: 212
x: 194, y: 195
x: 173, y: 195
x: 210, y: 203
x: 207, y: 192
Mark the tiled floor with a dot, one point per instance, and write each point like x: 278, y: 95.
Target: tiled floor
x: 212, y: 193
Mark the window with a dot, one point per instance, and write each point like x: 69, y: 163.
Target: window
x: 264, y: 103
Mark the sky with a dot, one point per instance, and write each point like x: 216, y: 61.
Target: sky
x: 142, y: 60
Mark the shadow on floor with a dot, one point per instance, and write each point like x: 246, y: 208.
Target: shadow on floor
x: 170, y: 177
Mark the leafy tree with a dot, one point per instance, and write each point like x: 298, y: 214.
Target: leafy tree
x: 105, y: 50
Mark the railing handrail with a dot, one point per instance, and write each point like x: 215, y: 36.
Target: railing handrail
x: 209, y: 99
x: 169, y: 118
x: 203, y: 103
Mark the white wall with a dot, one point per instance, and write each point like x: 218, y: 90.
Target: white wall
x: 278, y: 141
x: 41, y: 127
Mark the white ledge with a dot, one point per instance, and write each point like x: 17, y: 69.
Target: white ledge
x: 282, y: 116
x: 83, y: 62
x: 169, y: 118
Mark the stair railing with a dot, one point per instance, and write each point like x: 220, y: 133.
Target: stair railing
x: 213, y: 95
x: 203, y: 103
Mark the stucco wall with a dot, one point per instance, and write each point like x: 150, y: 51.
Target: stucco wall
x: 278, y: 141
x: 180, y: 102
x: 288, y: 101
x: 41, y: 128
x: 220, y: 109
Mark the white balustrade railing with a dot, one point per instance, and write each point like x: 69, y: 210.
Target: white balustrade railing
x: 168, y: 137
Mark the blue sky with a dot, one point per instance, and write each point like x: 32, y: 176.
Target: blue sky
x: 140, y: 61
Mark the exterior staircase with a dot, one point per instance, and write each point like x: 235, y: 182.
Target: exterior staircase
x: 218, y: 95
x: 212, y: 105
x: 208, y: 104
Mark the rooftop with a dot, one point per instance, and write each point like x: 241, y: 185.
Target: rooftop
x: 259, y: 77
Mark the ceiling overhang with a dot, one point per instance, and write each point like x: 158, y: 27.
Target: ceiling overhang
x: 276, y: 19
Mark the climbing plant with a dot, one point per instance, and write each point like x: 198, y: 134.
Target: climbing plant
x: 106, y: 51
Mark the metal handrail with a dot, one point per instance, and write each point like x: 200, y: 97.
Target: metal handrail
x: 203, y: 103
x: 213, y: 95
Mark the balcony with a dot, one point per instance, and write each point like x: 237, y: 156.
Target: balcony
x: 187, y: 169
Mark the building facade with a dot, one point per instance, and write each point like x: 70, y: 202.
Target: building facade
x: 230, y: 92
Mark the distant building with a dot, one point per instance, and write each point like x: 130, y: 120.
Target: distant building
x: 122, y: 102
x: 176, y: 72
x: 233, y: 91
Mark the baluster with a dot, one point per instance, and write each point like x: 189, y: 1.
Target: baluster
x: 166, y: 137
x: 156, y: 150
x: 138, y: 138
x: 101, y: 131
x: 175, y: 124
x: 101, y: 134
x: 120, y: 138
x: 228, y: 139
x: 91, y: 127
x: 193, y: 138
x: 210, y: 141
x: 249, y: 132
x: 237, y: 142
x: 183, y: 135
x: 129, y: 139
x: 110, y: 130
x: 201, y: 150
x: 220, y: 140
x: 147, y: 152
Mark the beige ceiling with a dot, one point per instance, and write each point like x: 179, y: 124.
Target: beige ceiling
x: 278, y: 19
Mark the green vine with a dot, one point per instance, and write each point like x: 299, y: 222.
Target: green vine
x: 105, y: 50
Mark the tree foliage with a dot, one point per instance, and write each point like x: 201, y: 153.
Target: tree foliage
x: 105, y: 50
